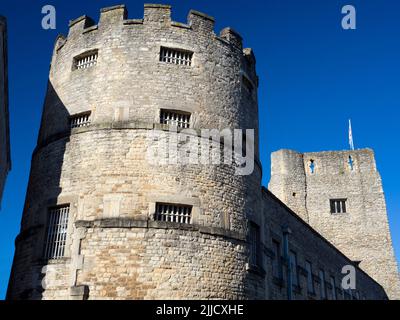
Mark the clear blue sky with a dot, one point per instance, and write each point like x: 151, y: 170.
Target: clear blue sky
x: 313, y: 77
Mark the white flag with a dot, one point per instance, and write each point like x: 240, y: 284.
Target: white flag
x: 351, y: 137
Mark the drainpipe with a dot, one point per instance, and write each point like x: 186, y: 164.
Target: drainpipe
x: 286, y: 232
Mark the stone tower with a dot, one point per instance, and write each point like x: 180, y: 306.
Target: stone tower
x: 340, y: 194
x: 91, y: 223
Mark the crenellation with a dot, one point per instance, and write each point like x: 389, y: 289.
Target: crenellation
x: 155, y: 13
x: 112, y: 15
x: 77, y: 25
x: 232, y: 37
x: 201, y: 22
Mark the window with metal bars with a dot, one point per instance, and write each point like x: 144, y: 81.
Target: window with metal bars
x: 176, y: 56
x: 80, y: 120
x: 255, y: 245
x: 175, y: 118
x: 86, y: 60
x: 338, y: 205
x: 173, y: 213
x: 56, y: 232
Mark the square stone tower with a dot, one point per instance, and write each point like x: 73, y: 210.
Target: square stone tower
x: 340, y: 194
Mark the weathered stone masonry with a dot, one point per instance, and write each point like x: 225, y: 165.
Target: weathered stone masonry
x: 115, y: 249
x: 362, y: 232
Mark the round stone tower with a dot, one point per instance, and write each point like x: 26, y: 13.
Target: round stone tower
x: 101, y: 220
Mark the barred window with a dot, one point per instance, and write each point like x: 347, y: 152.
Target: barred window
x: 176, y: 56
x: 338, y: 205
x: 56, y: 232
x: 175, y: 118
x: 86, y: 60
x: 254, y: 236
x: 173, y: 213
x: 80, y: 120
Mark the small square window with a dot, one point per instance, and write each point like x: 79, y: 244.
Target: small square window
x: 85, y: 60
x: 338, y: 206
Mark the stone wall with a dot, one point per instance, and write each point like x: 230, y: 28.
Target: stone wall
x: 5, y: 159
x: 308, y: 245
x: 362, y: 233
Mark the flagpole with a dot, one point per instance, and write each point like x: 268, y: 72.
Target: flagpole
x: 351, y: 142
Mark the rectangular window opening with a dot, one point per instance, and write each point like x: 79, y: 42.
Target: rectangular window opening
x: 255, y: 245
x: 338, y: 206
x: 80, y: 120
x: 277, y: 265
x: 85, y: 60
x: 176, y: 118
x: 56, y: 232
x: 173, y: 213
x: 176, y: 56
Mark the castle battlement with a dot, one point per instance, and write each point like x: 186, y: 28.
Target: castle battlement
x: 155, y: 16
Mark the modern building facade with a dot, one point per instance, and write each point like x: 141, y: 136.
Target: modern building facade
x: 101, y: 221
x: 5, y: 157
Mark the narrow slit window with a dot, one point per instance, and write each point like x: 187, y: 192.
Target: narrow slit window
x: 277, y: 265
x: 56, y: 232
x: 80, y: 120
x: 312, y: 166
x: 176, y: 56
x: 338, y: 206
x: 175, y: 118
x: 86, y: 60
x: 351, y: 163
x: 173, y: 213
